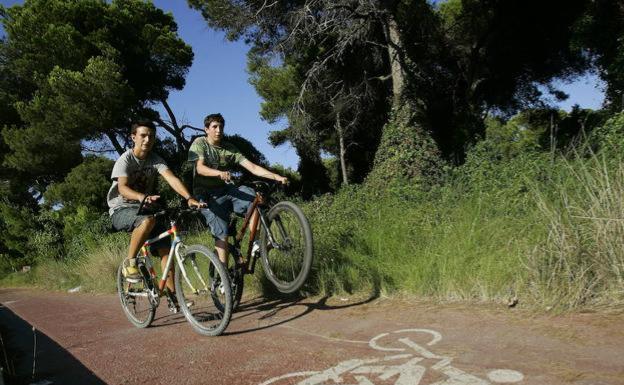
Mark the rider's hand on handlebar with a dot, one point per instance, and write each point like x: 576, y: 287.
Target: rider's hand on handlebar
x: 149, y: 199
x: 225, y: 176
x: 283, y: 180
x: 192, y: 202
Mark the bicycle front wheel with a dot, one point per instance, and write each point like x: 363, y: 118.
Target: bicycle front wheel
x: 288, y: 258
x: 203, y: 290
x: 135, y: 300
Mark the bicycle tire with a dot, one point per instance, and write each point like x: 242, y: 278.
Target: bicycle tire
x: 140, y: 314
x: 287, y: 267
x: 205, y: 301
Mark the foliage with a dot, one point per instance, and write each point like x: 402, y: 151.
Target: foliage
x: 86, y: 185
x: 444, y: 244
x: 73, y: 76
x: 81, y: 70
x: 609, y: 138
x: 247, y: 149
x: 18, y: 225
x: 601, y: 32
x: 320, y: 62
x: 294, y: 187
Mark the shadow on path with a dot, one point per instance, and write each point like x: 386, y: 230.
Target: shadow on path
x: 269, y: 310
x: 52, y: 362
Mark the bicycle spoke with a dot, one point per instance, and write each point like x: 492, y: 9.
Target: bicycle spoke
x: 287, y: 262
x: 204, y: 292
x: 135, y: 301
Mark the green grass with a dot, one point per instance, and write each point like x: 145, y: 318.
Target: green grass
x: 443, y: 245
x: 549, y: 231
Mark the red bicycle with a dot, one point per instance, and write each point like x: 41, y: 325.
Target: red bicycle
x: 281, y: 239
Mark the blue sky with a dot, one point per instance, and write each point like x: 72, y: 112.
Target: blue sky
x: 218, y: 82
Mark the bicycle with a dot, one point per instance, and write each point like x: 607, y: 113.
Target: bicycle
x: 285, y: 246
x: 202, y: 285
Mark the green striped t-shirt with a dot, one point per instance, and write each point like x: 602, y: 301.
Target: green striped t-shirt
x: 223, y: 158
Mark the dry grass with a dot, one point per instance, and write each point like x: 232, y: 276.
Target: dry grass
x: 98, y: 269
x: 582, y: 262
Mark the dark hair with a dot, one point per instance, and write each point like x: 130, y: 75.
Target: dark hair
x: 214, y: 118
x: 142, y: 123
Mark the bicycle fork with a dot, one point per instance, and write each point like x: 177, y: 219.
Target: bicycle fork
x: 180, y: 260
x: 280, y: 227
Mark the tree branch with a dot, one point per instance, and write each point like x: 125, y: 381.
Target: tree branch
x: 113, y: 139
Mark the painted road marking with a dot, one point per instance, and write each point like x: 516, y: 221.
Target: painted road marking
x: 406, y: 368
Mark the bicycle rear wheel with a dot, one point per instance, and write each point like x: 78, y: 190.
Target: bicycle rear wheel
x: 203, y: 291
x: 288, y: 261
x: 135, y: 300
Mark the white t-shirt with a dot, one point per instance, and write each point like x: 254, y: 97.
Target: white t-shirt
x: 141, y: 173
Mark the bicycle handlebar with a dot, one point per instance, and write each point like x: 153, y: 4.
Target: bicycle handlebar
x: 168, y: 211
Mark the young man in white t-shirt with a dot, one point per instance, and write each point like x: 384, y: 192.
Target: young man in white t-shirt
x: 134, y: 179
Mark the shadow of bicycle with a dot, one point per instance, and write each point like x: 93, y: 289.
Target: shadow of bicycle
x: 275, y: 312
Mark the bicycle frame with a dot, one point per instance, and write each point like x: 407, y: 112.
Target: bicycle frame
x: 176, y: 243
x: 249, y: 260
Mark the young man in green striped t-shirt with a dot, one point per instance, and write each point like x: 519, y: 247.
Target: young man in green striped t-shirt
x: 213, y: 158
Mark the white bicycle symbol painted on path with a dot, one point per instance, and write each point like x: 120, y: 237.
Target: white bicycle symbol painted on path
x: 405, y: 362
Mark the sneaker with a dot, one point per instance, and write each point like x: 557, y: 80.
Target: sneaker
x: 255, y: 248
x: 132, y: 273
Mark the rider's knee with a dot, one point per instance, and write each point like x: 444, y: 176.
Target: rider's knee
x: 148, y: 223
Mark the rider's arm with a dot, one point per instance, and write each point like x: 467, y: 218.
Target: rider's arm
x: 126, y: 191
x: 177, y: 185
x: 262, y: 172
x: 204, y: 170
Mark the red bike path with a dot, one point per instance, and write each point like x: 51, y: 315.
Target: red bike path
x: 86, y: 339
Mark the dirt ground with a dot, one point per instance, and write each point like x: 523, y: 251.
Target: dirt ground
x: 86, y: 339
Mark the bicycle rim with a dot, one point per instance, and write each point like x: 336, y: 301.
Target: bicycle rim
x: 287, y: 265
x: 135, y: 300
x: 203, y: 291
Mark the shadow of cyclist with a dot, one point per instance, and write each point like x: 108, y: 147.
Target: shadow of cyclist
x: 269, y: 310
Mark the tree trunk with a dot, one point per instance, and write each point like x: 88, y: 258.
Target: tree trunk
x: 396, y: 67
x: 343, y: 163
x: 314, y: 179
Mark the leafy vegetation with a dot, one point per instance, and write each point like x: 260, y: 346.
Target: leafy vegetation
x: 431, y: 161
